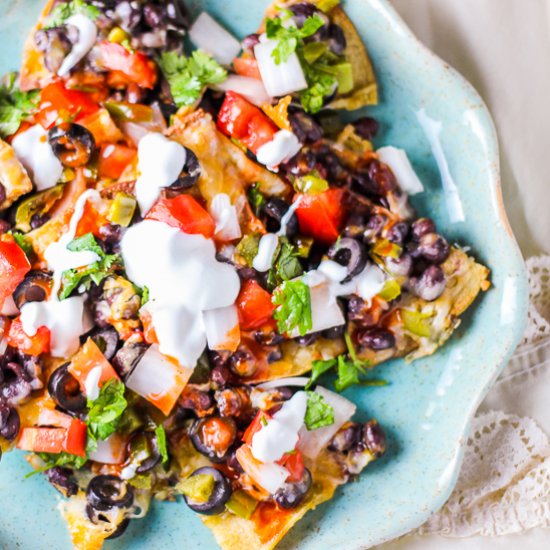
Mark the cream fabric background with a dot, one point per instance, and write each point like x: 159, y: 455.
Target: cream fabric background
x: 503, y: 48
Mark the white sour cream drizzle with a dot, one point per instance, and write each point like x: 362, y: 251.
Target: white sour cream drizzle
x: 281, y: 148
x: 87, y: 36
x: 35, y: 153
x: 184, y: 280
x: 160, y: 162
x: 65, y: 319
x: 91, y: 385
x: 280, y: 435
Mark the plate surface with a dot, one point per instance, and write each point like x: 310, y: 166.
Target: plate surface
x: 433, y: 113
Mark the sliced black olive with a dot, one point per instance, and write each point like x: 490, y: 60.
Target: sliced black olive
x: 188, y: 177
x: 72, y: 144
x: 350, y: 253
x: 106, y: 340
x: 273, y: 211
x: 35, y: 287
x: 213, y: 436
x: 221, y: 493
x: 9, y: 422
x: 291, y: 494
x: 144, y: 444
x: 65, y: 390
x: 107, y: 491
x: 120, y: 530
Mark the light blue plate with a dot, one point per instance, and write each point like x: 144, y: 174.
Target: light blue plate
x: 428, y: 405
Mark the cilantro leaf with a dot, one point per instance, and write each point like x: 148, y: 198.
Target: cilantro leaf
x: 348, y: 373
x: 15, y: 106
x: 161, y: 442
x: 64, y: 10
x: 23, y: 242
x: 62, y: 459
x: 105, y: 412
x: 318, y: 412
x: 320, y: 85
x: 286, y: 265
x: 319, y: 368
x: 288, y: 36
x: 188, y: 76
x: 255, y: 198
x: 93, y: 273
x: 294, y: 307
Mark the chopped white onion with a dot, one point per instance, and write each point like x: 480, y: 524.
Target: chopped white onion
x: 312, y: 443
x: 402, y: 169
x: 110, y: 451
x: 208, y: 35
x: 270, y: 476
x: 222, y: 328
x: 279, y: 80
x: 225, y: 215
x: 251, y: 89
x: 370, y: 282
x: 333, y: 270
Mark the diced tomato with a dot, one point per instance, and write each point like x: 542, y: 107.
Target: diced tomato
x: 247, y: 66
x: 185, y: 213
x: 243, y: 121
x: 255, y: 426
x: 254, y: 305
x: 90, y: 221
x: 102, y: 127
x: 87, y: 358
x: 59, y: 103
x: 135, y: 66
x: 75, y: 441
x: 14, y: 265
x: 320, y: 215
x: 113, y: 159
x: 31, y: 345
x: 294, y: 463
x: 42, y: 440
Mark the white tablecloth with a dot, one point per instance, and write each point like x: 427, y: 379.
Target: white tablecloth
x: 503, y: 48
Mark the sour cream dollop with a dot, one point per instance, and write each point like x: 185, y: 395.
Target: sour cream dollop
x: 87, y: 36
x: 184, y: 280
x: 160, y: 162
x: 34, y: 152
x: 281, y: 148
x: 280, y: 435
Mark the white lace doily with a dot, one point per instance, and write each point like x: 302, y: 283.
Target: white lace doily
x: 504, y: 484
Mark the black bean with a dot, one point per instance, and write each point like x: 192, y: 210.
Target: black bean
x: 16, y: 385
x: 334, y: 332
x: 307, y: 339
x: 304, y: 126
x: 430, y: 285
x: 398, y: 232
x: 346, y: 438
x: 301, y: 164
x: 242, y: 362
x: 250, y: 41
x: 421, y: 227
x: 63, y: 480
x: 220, y: 376
x: 366, y: 127
x: 153, y: 15
x: 336, y: 39
x: 374, y: 438
x: 400, y: 267
x: 434, y: 248
x: 291, y: 494
x: 376, y: 339
x: 9, y: 422
x: 127, y: 357
x: 2, y: 193
x: 38, y: 220
x: 375, y: 225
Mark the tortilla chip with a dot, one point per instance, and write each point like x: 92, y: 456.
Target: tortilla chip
x: 365, y: 87
x: 13, y: 176
x: 225, y: 168
x: 33, y: 73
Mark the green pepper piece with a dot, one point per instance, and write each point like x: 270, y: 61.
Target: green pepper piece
x: 326, y: 5
x: 313, y: 51
x: 390, y: 291
x: 241, y: 504
x: 311, y: 184
x: 248, y: 248
x: 303, y: 246
x: 129, y: 112
x: 39, y: 203
x: 344, y: 75
x: 198, y: 488
x: 122, y: 209
x: 416, y: 322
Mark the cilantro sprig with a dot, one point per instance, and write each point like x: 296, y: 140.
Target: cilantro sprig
x: 288, y: 35
x: 319, y: 413
x: 94, y: 273
x: 160, y: 435
x: 105, y: 412
x: 293, y: 310
x: 15, y: 106
x: 187, y: 76
x: 286, y: 265
x: 349, y: 369
x: 64, y: 10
